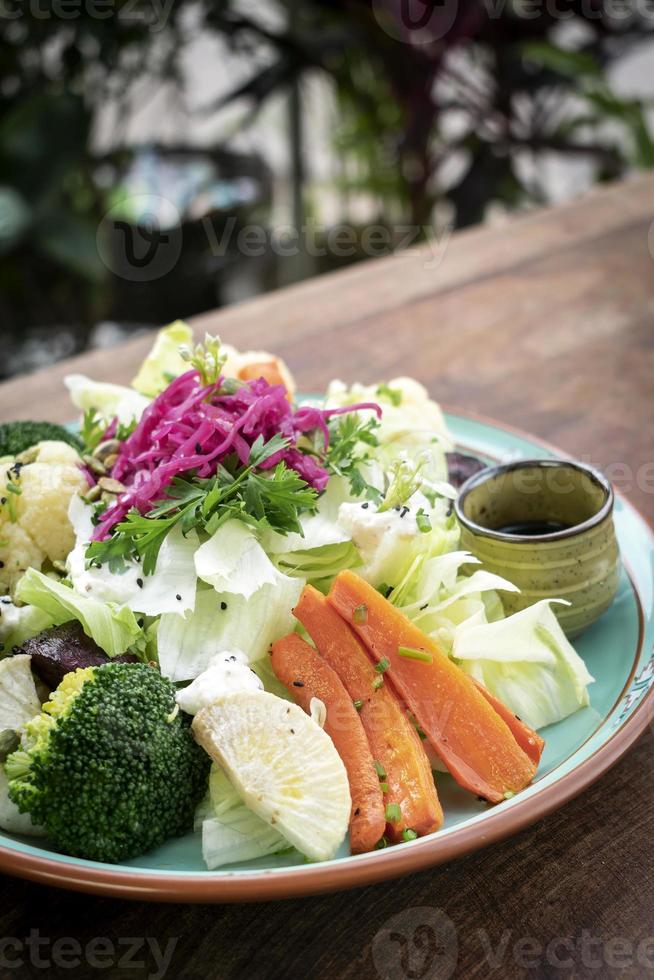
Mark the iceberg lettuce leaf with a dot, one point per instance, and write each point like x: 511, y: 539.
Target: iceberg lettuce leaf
x: 114, y: 629
x: 527, y: 662
x: 107, y: 400
x: 233, y: 832
x: 233, y: 561
x: 164, y: 362
x: 224, y: 621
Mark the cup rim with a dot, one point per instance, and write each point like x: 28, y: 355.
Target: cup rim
x: 477, y: 479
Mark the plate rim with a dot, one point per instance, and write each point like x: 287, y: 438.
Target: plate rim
x: 280, y: 883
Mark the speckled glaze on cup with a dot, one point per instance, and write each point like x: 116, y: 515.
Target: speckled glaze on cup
x: 579, y: 563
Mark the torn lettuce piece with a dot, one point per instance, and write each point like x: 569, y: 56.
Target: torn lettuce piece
x: 319, y: 566
x: 114, y: 629
x: 223, y: 621
x: 411, y: 421
x: 170, y: 589
x: 392, y: 545
x: 19, y: 702
x: 527, y: 662
x: 107, y: 400
x: 164, y: 362
x: 233, y: 832
x: 233, y: 561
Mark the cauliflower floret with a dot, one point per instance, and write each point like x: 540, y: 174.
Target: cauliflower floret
x: 18, y: 552
x: 53, y: 452
x: 34, y: 523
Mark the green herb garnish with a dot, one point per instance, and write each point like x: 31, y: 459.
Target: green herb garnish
x: 393, y: 813
x: 271, y: 499
x: 423, y: 521
x: 360, y: 614
x: 409, y: 653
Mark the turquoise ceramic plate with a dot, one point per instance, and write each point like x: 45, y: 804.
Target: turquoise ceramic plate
x: 618, y: 651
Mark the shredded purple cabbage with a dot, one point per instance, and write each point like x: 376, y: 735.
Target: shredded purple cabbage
x: 190, y: 428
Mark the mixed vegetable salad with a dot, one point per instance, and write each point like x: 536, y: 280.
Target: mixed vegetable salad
x: 232, y: 609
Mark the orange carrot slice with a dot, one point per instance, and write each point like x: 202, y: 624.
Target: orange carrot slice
x: 403, y: 764
x: 471, y: 738
x: 268, y: 370
x: 307, y: 676
x: 529, y: 741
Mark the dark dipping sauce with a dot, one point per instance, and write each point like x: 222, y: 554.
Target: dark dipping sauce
x: 531, y: 529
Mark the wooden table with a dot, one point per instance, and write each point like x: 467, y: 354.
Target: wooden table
x: 547, y: 324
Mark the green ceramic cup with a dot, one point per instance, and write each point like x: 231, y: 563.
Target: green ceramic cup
x: 547, y: 526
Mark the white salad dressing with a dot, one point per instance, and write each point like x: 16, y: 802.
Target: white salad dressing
x: 226, y: 673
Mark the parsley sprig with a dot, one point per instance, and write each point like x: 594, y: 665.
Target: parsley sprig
x: 274, y: 498
x: 351, y: 438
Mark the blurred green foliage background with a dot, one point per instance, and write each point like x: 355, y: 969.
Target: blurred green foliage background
x: 432, y: 125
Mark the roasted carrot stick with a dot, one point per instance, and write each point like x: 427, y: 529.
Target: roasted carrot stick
x: 529, y: 741
x: 471, y: 738
x: 307, y: 676
x: 394, y: 743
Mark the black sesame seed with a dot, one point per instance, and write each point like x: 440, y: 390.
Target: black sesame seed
x: 198, y: 448
x: 357, y: 811
x: 292, y: 731
x: 139, y: 582
x: 3, y: 500
x: 298, y: 683
x: 223, y: 606
x: 140, y: 622
x: 178, y: 597
x: 422, y: 608
x: 365, y: 506
x: 2, y: 564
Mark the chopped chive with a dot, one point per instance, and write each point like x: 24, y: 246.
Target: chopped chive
x: 420, y: 732
x: 393, y: 813
x: 377, y: 683
x: 383, y: 787
x: 408, y: 835
x: 383, y: 665
x: 385, y: 589
x: 360, y: 614
x: 411, y: 654
x: 423, y: 521
x: 381, y: 843
x: 358, y: 704
x: 379, y: 769
x: 509, y: 794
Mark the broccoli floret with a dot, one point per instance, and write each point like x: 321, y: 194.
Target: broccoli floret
x: 16, y: 437
x: 109, y: 768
